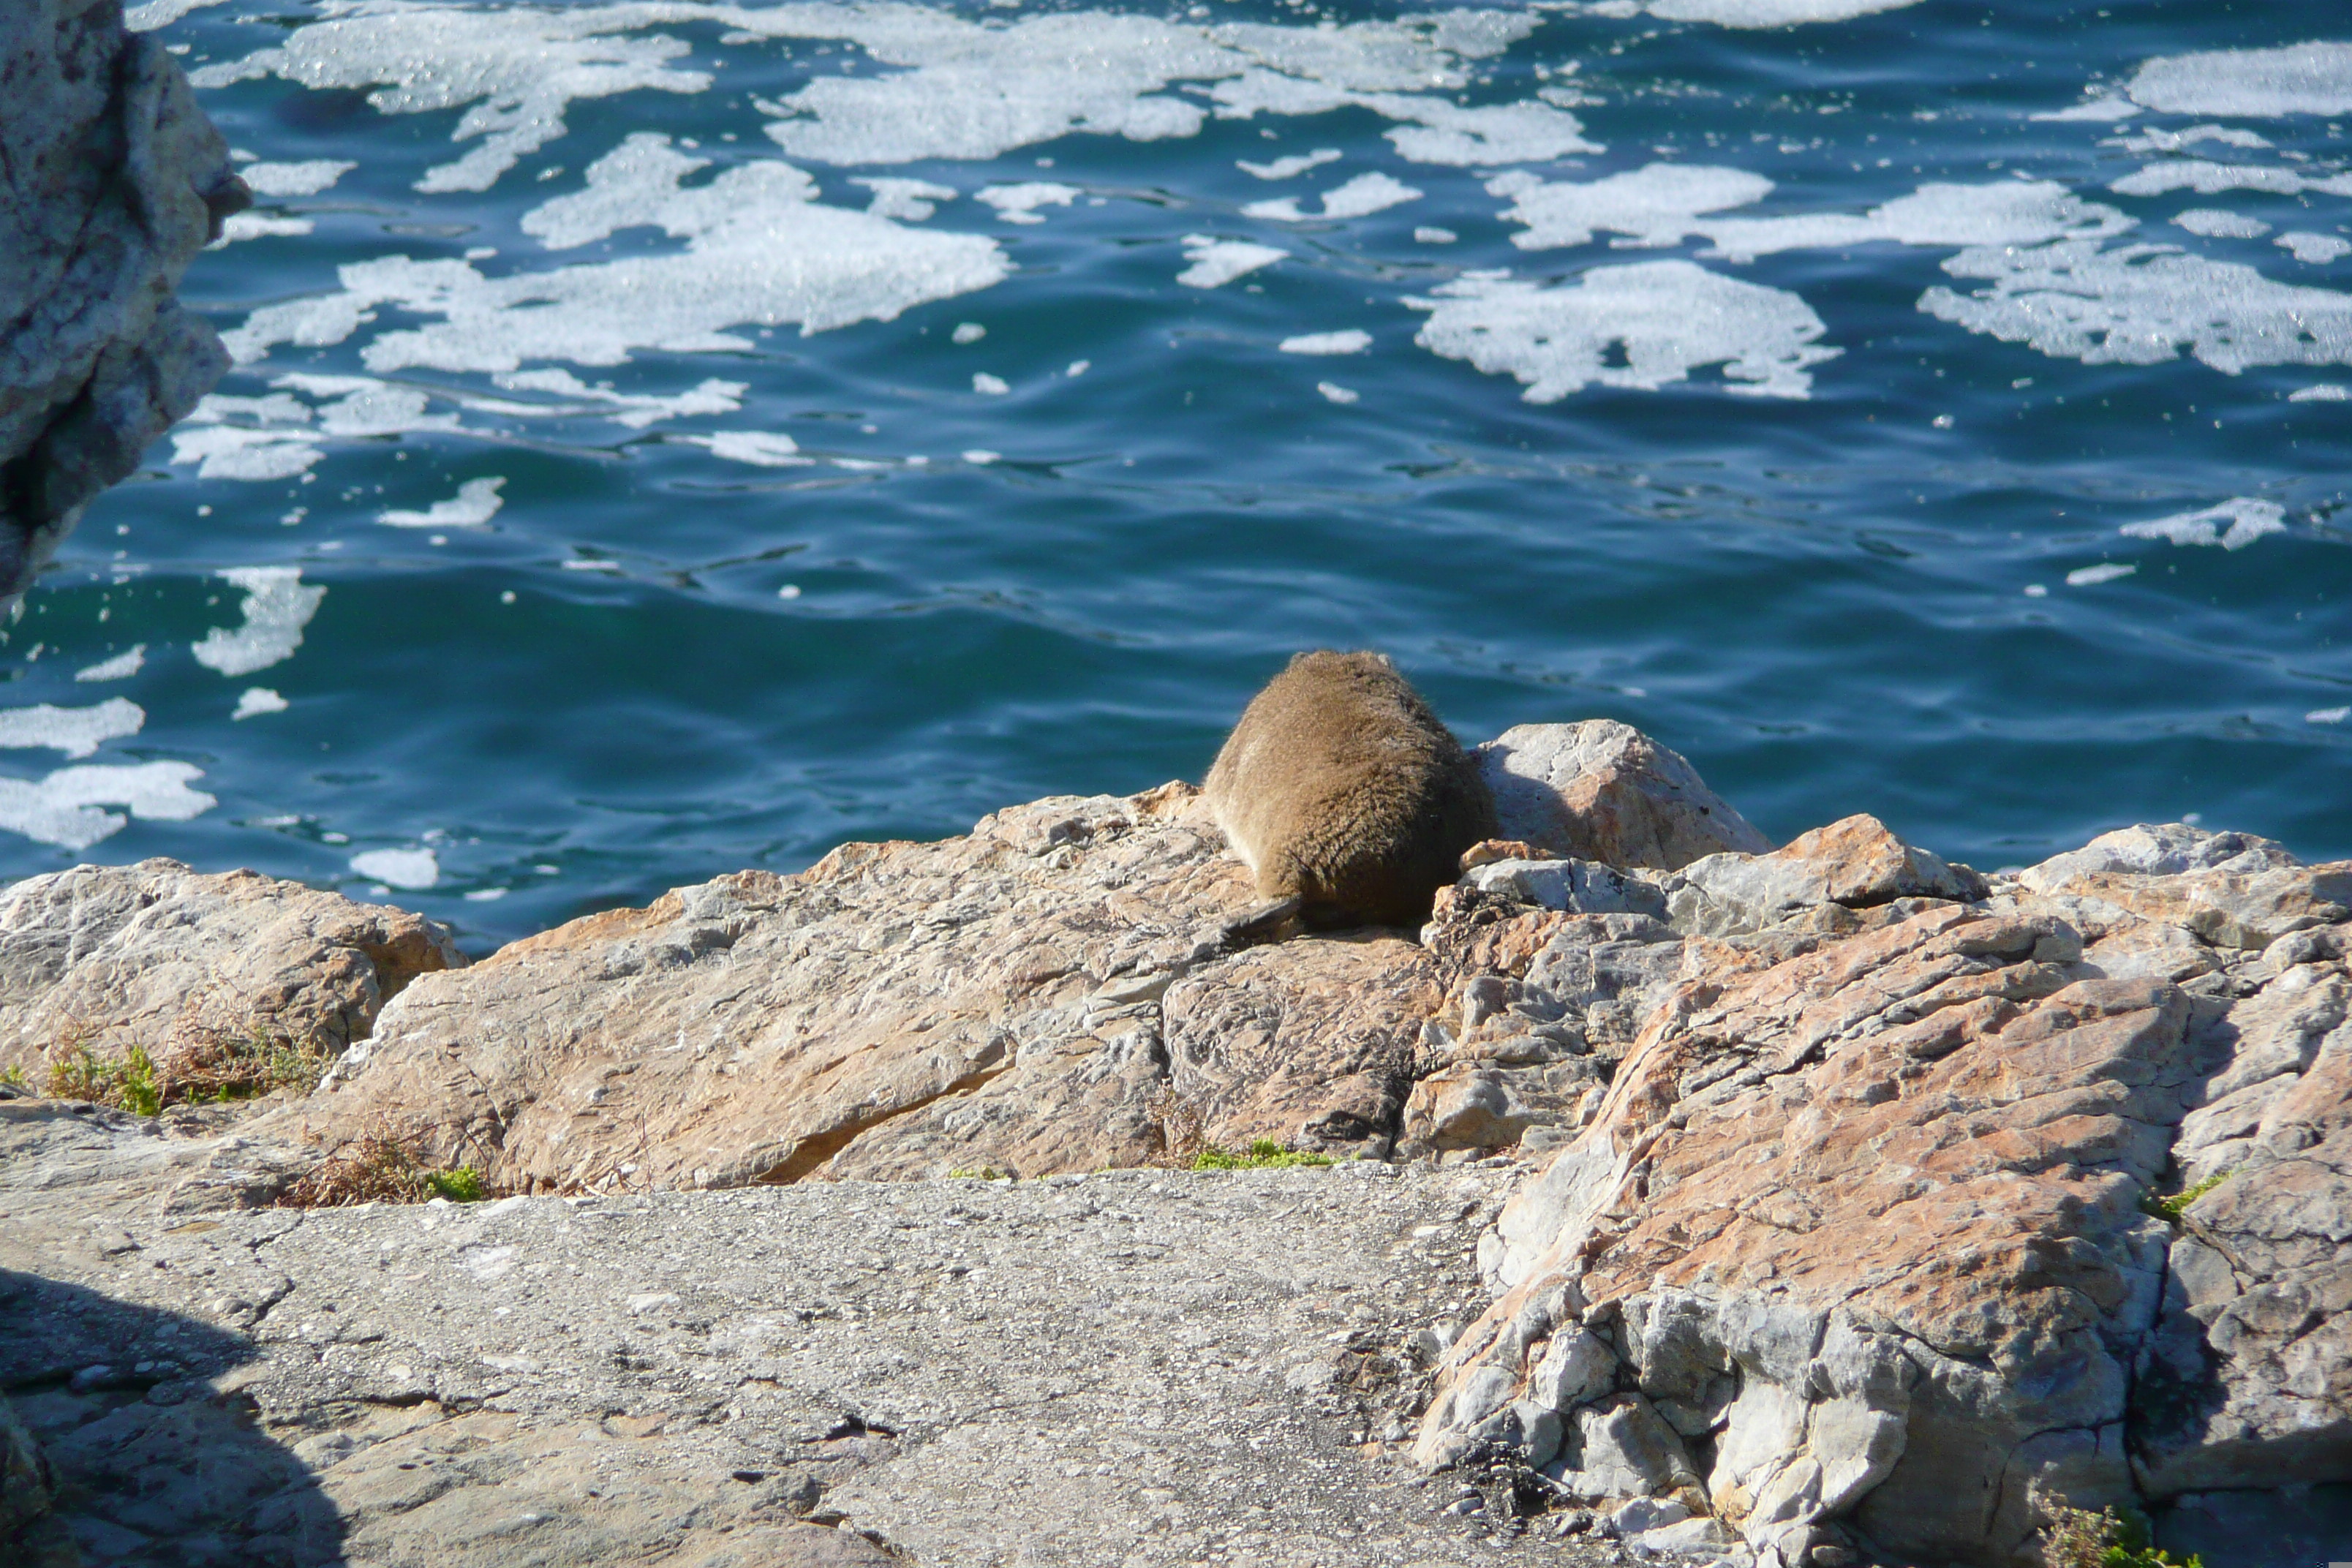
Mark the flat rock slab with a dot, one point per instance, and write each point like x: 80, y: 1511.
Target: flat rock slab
x: 1135, y: 1367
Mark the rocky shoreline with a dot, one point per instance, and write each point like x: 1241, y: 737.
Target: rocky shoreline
x: 1814, y: 1205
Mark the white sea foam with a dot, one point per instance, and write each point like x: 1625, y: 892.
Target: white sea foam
x: 760, y: 251
x: 1351, y: 341
x: 76, y: 732
x: 122, y: 667
x: 2002, y: 212
x: 415, y: 869
x: 520, y: 68
x: 2328, y: 715
x: 2209, y: 178
x: 278, y: 606
x: 2104, y: 108
x: 157, y: 13
x: 1335, y: 393
x: 1770, y: 12
x: 236, y: 452
x: 2248, y: 519
x: 2323, y: 392
x: 2301, y: 78
x: 239, y: 226
x: 1287, y: 168
x: 760, y: 448
x: 1431, y: 236
x: 1359, y: 198
x: 636, y: 410
x: 1019, y: 204
x: 304, y: 179
x: 254, y: 700
x: 1654, y: 206
x: 62, y: 809
x: 2142, y: 304
x: 2155, y: 140
x: 2212, y: 222
x: 1668, y: 317
x: 2314, y: 250
x: 2085, y: 577
x: 989, y: 385
x: 475, y: 502
x: 909, y: 201
x: 1216, y: 262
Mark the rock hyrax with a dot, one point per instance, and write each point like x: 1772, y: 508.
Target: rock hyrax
x: 1343, y: 791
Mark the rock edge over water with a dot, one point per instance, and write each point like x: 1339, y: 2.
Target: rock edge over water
x: 1874, y: 1205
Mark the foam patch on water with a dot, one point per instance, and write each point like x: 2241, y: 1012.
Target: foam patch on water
x: 1019, y: 204
x: 157, y: 13
x: 1662, y: 319
x: 1351, y: 341
x: 1297, y: 164
x: 760, y: 448
x: 2088, y: 577
x: 1216, y: 262
x: 2301, y: 78
x: 2328, y: 715
x: 1654, y: 205
x: 1770, y: 12
x: 276, y: 608
x: 2314, y: 250
x: 2324, y: 392
x: 2143, y: 304
x: 2154, y: 139
x: 909, y: 201
x: 239, y: 226
x: 2208, y: 178
x: 236, y: 452
x: 518, y: 68
x: 76, y: 732
x: 2249, y: 520
x: 122, y: 667
x: 254, y: 700
x: 1333, y: 392
x: 62, y: 809
x: 1359, y: 198
x: 636, y: 410
x: 989, y: 385
x: 2101, y: 110
x: 2212, y: 222
x: 303, y: 179
x: 413, y: 870
x: 760, y: 251
x: 475, y: 502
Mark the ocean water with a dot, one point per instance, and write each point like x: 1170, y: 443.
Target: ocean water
x: 671, y: 437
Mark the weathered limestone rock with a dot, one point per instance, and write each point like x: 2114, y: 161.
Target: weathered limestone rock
x: 1854, y: 1246
x: 1006, y: 1000
x: 1599, y: 790
x: 159, y: 956
x: 111, y: 181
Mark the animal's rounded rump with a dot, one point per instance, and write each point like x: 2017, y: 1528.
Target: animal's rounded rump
x: 1340, y: 788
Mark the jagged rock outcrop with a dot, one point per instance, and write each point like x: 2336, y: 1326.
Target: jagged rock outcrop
x: 103, y: 958
x: 113, y: 181
x: 1600, y: 790
x: 1860, y: 1245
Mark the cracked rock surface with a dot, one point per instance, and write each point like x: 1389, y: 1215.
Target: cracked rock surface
x: 1137, y: 1367
x: 111, y: 181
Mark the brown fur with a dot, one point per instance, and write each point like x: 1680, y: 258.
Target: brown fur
x: 1340, y: 788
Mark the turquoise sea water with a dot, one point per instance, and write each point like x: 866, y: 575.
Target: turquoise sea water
x: 1931, y: 409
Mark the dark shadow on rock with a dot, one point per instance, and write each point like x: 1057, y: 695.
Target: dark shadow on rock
x: 151, y: 1463
x: 2294, y: 1527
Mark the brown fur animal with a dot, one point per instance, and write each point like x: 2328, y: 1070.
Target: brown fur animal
x: 1343, y: 791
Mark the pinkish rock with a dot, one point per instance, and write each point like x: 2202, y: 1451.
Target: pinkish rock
x: 1599, y: 790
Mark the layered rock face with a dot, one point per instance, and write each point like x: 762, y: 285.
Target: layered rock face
x: 113, y: 180
x: 1857, y: 1245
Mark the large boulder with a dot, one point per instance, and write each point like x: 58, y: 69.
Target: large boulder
x: 1867, y: 1242
x: 113, y: 180
x: 181, y: 965
x: 1600, y: 790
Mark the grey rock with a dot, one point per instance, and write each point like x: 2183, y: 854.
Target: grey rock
x: 114, y: 179
x: 1603, y: 791
x: 1583, y: 887
x: 2159, y: 849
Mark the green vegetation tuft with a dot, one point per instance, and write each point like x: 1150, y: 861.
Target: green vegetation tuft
x: 14, y: 1076
x: 1263, y: 1155
x: 458, y: 1183
x: 2080, y: 1539
x: 2171, y: 1206
x: 127, y: 1081
x: 981, y: 1174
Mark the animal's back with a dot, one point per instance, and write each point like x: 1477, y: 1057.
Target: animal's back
x: 1340, y: 788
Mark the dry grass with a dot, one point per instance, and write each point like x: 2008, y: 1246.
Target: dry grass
x: 1181, y: 1134
x: 382, y: 1168
x: 198, y: 1066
